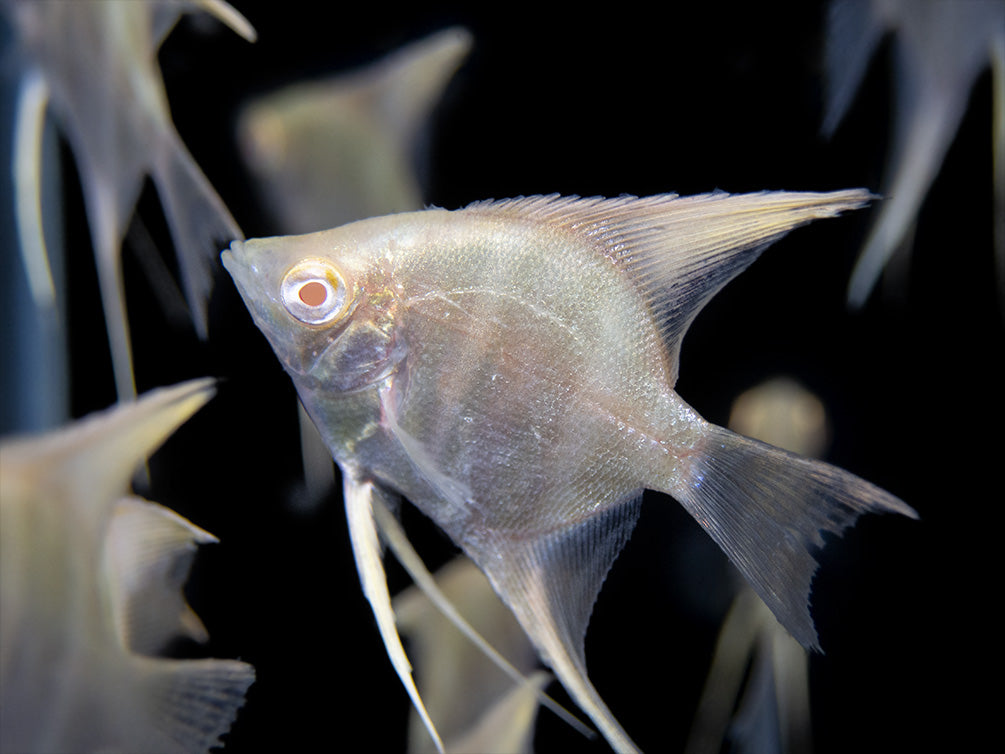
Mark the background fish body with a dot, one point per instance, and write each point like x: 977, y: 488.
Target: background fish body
x: 509, y: 368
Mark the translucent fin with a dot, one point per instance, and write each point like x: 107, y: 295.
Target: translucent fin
x: 193, y: 702
x: 28, y: 130
x: 940, y: 50
x: 551, y: 583
x: 199, y: 223
x: 361, y: 497
x: 100, y: 452
x: 926, y: 123
x: 117, y: 122
x: 319, y: 468
x: 508, y: 727
x: 166, y: 13
x: 768, y: 509
x: 229, y: 15
x: 680, y: 251
x: 396, y: 539
x: 350, y: 146
x: 750, y: 632
x: 854, y: 29
x: 148, y: 554
x: 408, y: 84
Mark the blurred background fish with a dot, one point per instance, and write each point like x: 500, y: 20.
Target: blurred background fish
x: 329, y: 151
x: 757, y: 694
x: 475, y: 705
x: 95, y: 64
x: 90, y: 594
x: 941, y: 48
x: 345, y: 147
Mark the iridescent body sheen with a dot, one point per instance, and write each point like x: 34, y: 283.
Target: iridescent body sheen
x: 509, y: 369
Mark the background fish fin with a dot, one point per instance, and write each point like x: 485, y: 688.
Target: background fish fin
x: 165, y: 14
x: 409, y: 82
x: 361, y: 497
x: 33, y: 98
x: 193, y: 702
x: 509, y: 725
x: 551, y: 582
x: 199, y: 222
x: 768, y: 509
x: 680, y: 251
x: 109, y: 445
x: 397, y: 541
x: 925, y: 131
x: 148, y: 554
x: 853, y: 31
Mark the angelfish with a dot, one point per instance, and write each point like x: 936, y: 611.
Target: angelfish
x: 509, y: 369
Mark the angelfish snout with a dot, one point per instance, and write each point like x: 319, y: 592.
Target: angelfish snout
x: 231, y: 255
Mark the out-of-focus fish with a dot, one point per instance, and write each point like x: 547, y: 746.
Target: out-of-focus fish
x: 509, y: 369
x: 941, y: 48
x: 475, y: 705
x: 90, y: 584
x: 344, y: 148
x: 95, y: 63
x: 327, y: 152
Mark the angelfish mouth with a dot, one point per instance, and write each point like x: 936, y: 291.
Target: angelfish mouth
x: 231, y: 257
x: 235, y: 261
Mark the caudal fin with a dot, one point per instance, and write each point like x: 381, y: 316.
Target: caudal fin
x: 768, y: 510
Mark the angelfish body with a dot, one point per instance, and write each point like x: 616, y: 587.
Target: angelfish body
x: 509, y: 369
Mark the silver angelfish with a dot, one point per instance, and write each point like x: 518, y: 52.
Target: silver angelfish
x: 509, y: 369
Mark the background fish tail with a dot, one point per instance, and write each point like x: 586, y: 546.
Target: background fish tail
x: 768, y: 509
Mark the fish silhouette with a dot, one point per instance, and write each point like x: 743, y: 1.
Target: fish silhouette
x: 941, y: 48
x: 509, y: 368
x: 329, y: 151
x: 94, y: 66
x: 90, y: 593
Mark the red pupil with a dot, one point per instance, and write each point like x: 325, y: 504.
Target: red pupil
x: 313, y: 293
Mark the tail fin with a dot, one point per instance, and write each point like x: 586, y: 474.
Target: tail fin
x: 768, y: 509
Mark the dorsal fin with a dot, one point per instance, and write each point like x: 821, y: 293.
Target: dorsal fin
x: 680, y: 251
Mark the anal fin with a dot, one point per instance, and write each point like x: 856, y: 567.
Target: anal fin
x: 551, y: 582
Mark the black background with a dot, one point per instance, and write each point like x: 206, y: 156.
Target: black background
x: 606, y: 102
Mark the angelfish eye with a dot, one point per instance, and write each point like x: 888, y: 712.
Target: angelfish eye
x: 314, y: 292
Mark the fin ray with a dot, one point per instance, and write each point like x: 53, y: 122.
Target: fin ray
x: 767, y: 509
x: 396, y: 539
x: 551, y: 583
x: 361, y: 498
x: 680, y: 251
